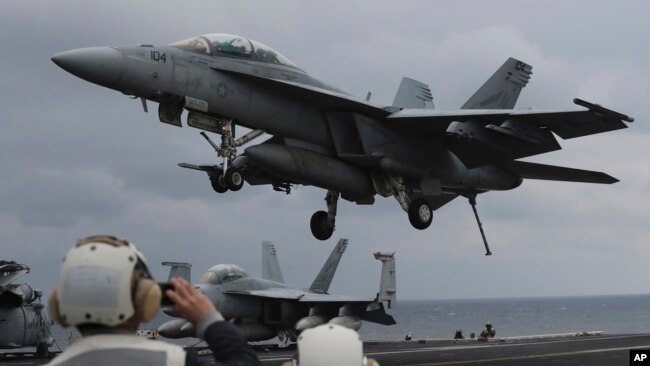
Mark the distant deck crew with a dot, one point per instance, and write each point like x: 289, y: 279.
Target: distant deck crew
x: 489, y: 331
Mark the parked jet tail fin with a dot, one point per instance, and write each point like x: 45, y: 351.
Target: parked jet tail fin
x: 324, y: 278
x: 270, y: 266
x: 388, y: 284
x: 502, y: 89
x: 528, y: 170
x: 179, y: 270
x: 413, y: 94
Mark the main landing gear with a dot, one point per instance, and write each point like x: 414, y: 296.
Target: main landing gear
x: 420, y: 214
x: 419, y: 210
x: 322, y: 223
x: 230, y: 177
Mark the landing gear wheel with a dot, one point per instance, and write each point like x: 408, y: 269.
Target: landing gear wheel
x: 42, y: 350
x: 420, y: 214
x: 234, y: 179
x: 219, y: 184
x: 320, y: 228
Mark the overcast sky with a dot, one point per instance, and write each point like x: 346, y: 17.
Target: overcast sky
x: 78, y: 159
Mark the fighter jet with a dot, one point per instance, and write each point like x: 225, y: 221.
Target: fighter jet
x: 264, y: 308
x: 23, y: 320
x: 325, y: 137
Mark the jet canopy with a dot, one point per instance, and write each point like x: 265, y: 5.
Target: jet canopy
x: 222, y: 273
x: 220, y: 44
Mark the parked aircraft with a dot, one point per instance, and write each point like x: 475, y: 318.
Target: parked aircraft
x: 264, y: 308
x: 23, y: 320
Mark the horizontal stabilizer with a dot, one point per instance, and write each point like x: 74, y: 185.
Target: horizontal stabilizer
x: 204, y: 168
x: 528, y: 170
x: 378, y: 315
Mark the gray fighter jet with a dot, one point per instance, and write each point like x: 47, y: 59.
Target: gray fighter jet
x: 23, y: 320
x: 264, y: 308
x: 325, y: 137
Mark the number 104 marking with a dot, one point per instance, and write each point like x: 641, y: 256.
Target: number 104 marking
x: 157, y: 56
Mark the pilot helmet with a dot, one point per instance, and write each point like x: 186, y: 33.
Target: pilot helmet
x: 330, y: 344
x: 105, y: 281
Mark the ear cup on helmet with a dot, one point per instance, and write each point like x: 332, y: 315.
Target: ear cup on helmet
x: 147, y: 300
x: 53, y: 302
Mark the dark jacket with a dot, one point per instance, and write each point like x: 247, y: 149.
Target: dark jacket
x: 228, y: 346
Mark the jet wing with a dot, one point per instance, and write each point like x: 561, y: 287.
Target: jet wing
x: 272, y: 293
x: 564, y: 123
x: 320, y: 96
x: 309, y: 297
x: 436, y: 121
x: 298, y: 295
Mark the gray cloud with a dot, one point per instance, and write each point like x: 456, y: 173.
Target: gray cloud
x: 78, y: 159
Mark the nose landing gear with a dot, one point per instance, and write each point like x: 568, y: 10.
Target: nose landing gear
x: 230, y: 178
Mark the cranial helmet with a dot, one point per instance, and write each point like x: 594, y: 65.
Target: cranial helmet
x: 105, y: 281
x: 330, y: 344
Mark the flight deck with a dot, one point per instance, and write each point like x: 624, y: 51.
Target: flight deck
x: 603, y: 349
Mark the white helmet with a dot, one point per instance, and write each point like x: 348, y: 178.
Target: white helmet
x: 330, y: 344
x: 104, y: 280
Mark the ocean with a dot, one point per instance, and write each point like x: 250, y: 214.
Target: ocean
x: 515, y: 316
x: 510, y: 317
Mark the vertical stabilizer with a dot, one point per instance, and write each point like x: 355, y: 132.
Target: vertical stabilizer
x: 502, y: 89
x: 324, y: 278
x: 413, y: 94
x: 270, y: 266
x: 388, y: 284
x: 179, y: 270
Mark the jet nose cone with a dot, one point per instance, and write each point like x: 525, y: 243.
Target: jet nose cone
x: 99, y: 65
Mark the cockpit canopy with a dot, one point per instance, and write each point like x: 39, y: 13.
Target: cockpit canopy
x: 220, y: 44
x: 222, y: 273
